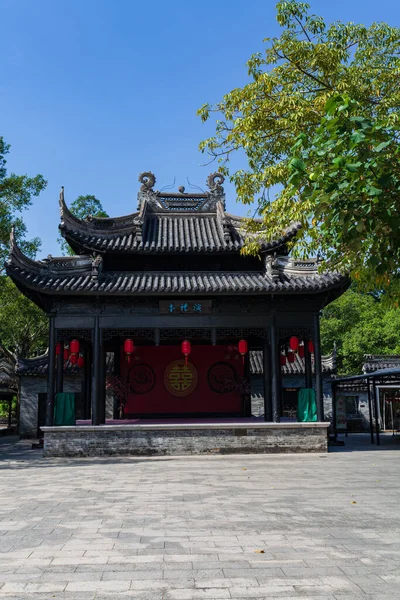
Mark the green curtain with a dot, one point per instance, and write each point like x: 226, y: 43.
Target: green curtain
x: 64, y: 409
x: 306, y: 405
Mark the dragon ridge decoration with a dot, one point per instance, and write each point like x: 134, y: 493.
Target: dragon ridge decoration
x: 148, y: 180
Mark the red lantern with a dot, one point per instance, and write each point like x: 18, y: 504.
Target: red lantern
x: 58, y: 348
x: 282, y: 360
x: 129, y: 348
x: 243, y: 348
x: 73, y: 359
x: 294, y: 343
x: 66, y: 354
x: 81, y: 362
x: 74, y: 347
x: 311, y: 347
x: 186, y: 349
x: 301, y: 350
x: 291, y: 357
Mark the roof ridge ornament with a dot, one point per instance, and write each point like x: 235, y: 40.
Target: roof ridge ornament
x: 215, y: 181
x: 148, y: 180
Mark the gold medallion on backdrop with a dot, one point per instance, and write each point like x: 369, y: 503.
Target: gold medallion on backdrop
x: 180, y: 379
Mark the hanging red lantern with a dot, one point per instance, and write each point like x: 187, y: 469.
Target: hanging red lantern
x: 282, y: 359
x: 186, y: 348
x: 129, y: 348
x: 243, y: 348
x: 66, y: 354
x: 74, y: 347
x: 81, y: 361
x: 311, y: 347
x: 291, y: 357
x: 294, y: 343
x: 301, y: 350
x: 58, y: 348
x: 73, y: 359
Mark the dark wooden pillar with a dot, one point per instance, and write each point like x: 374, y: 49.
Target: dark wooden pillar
x: 86, y: 381
x: 307, y: 365
x: 275, y: 372
x: 267, y: 380
x: 60, y: 371
x: 376, y: 408
x: 103, y: 373
x: 96, y: 366
x: 371, y: 420
x: 51, y: 373
x: 318, y: 369
x: 247, y: 393
x: 117, y: 371
x: 334, y: 416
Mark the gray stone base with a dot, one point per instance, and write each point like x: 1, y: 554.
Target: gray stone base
x: 173, y: 439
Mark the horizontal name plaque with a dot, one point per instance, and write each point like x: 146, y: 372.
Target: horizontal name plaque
x: 185, y: 307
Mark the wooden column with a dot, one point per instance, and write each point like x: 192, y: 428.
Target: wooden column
x: 60, y: 371
x: 267, y: 380
x: 247, y: 396
x: 96, y: 366
x: 307, y: 365
x: 275, y: 372
x: 51, y: 373
x: 86, y: 381
x: 117, y: 371
x: 318, y: 369
x: 103, y: 367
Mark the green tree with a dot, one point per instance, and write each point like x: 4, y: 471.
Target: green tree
x: 23, y: 326
x: 16, y: 193
x: 291, y: 85
x: 346, y: 180
x: 359, y: 324
x: 83, y: 207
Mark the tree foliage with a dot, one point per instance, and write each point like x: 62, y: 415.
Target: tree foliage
x: 16, y: 193
x: 347, y: 182
x: 23, y: 326
x: 359, y: 324
x: 311, y: 68
x: 83, y: 207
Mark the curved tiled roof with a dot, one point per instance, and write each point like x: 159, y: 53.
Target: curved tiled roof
x: 147, y: 283
x: 295, y: 368
x: 376, y: 362
x: 195, y: 223
x: 8, y: 382
x: 38, y: 366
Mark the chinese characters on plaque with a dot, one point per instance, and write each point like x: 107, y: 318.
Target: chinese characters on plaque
x: 185, y: 307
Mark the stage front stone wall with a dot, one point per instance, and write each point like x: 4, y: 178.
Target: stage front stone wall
x: 150, y: 440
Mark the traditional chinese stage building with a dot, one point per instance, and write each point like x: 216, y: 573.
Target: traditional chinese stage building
x: 167, y: 292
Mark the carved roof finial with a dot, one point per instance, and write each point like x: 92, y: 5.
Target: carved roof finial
x: 148, y: 180
x: 215, y: 181
x: 62, y: 194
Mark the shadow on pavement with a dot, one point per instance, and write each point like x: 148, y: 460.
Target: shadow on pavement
x: 361, y: 442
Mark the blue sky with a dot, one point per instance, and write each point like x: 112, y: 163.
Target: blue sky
x: 94, y: 91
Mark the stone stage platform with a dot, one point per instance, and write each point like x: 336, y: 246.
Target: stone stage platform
x: 184, y: 436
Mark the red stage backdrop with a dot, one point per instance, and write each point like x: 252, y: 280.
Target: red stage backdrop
x: 161, y: 383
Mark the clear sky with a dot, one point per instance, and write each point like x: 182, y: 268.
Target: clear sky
x: 92, y: 92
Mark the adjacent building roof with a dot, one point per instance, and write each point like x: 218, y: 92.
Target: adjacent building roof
x: 376, y: 362
x: 8, y: 381
x: 295, y: 368
x: 38, y: 366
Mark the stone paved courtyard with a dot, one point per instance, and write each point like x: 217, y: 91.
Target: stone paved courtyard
x: 323, y: 527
